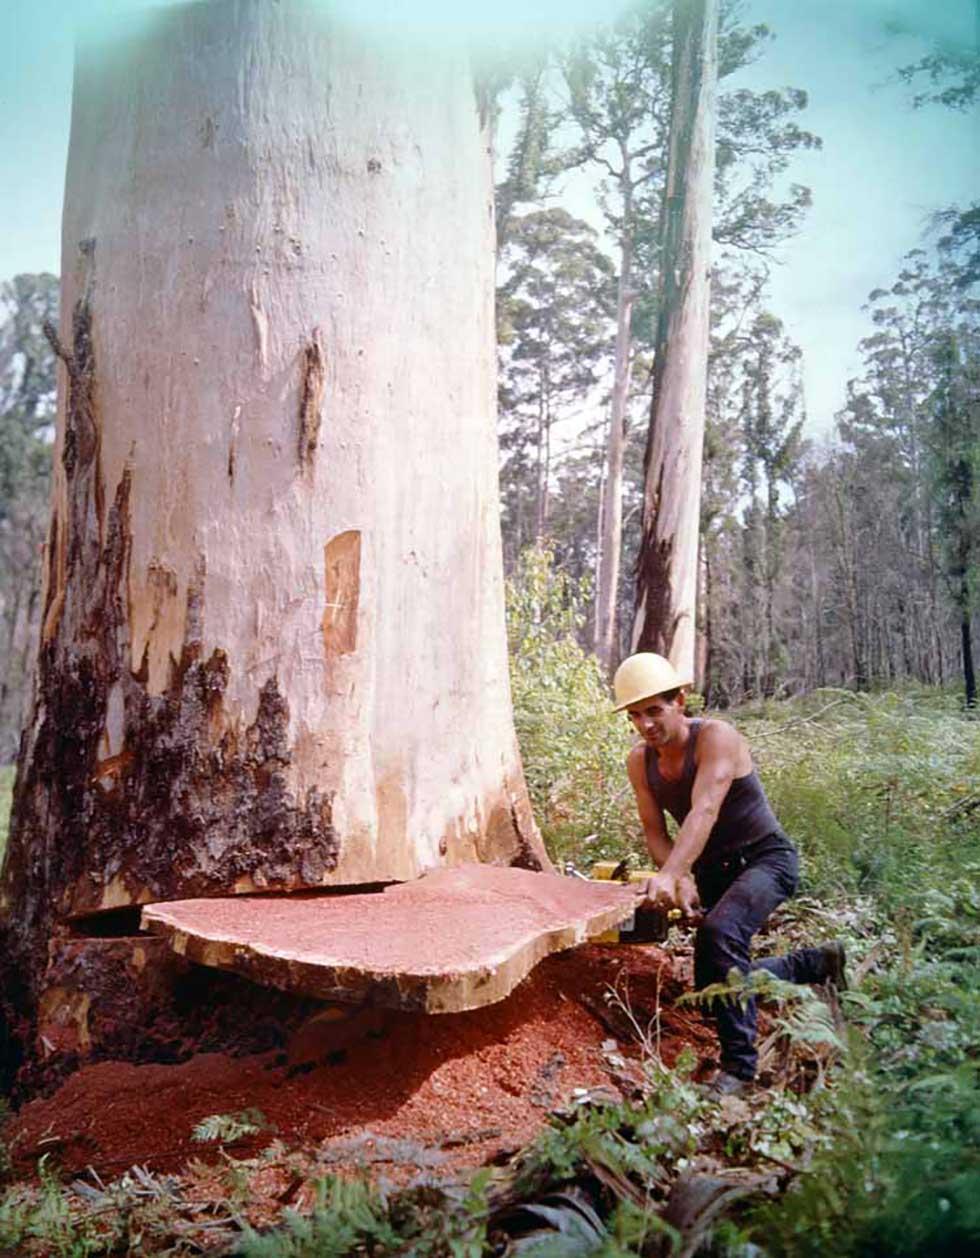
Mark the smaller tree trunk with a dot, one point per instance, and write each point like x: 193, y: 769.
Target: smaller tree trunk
x: 612, y: 520
x: 599, y: 527
x: 969, y: 674
x: 703, y: 652
x: 667, y: 567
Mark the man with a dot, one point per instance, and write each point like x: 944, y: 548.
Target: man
x: 729, y: 865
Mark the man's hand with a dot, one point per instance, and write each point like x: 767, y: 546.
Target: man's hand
x: 672, y: 891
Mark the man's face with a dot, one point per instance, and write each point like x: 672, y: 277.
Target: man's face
x: 657, y: 720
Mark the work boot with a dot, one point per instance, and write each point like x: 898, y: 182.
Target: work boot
x: 724, y: 1084
x: 835, y: 960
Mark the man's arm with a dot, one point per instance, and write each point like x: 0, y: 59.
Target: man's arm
x: 651, y: 814
x: 719, y: 748
x: 673, y: 886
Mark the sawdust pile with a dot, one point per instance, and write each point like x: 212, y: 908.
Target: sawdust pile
x: 392, y: 1089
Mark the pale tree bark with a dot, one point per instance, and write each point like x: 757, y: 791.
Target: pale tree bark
x: 600, y: 519
x: 273, y: 651
x: 612, y: 502
x: 702, y: 642
x: 667, y: 569
x: 544, y: 455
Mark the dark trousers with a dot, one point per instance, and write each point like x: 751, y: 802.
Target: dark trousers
x: 737, y: 895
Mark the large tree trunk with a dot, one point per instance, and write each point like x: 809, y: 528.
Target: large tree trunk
x: 273, y: 651
x: 667, y: 569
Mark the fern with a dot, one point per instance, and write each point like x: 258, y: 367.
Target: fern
x: 44, y: 1222
x: 229, y: 1127
x: 350, y: 1217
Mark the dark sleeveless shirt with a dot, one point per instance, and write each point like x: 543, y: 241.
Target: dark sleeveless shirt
x: 745, y: 814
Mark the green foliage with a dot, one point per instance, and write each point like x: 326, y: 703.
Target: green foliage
x: 349, y: 1215
x: 229, y: 1127
x: 353, y: 1216
x: 954, y: 448
x: 574, y: 747
x: 876, y: 789
x: 41, y: 1221
x: 555, y: 317
x: 803, y: 1018
x: 946, y: 76
x: 641, y: 1143
x: 901, y: 1176
x: 27, y: 388
x: 881, y: 793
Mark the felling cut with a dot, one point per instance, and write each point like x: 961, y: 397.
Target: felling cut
x: 452, y: 940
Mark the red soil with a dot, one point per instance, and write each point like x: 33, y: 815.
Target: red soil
x: 469, y: 1085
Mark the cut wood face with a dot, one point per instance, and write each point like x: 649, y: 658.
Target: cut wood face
x: 453, y: 940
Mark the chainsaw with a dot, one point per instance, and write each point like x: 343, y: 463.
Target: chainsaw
x: 647, y: 924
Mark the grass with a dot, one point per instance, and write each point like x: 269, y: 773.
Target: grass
x: 878, y: 790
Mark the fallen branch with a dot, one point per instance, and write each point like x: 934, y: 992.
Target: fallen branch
x: 797, y: 720
x: 771, y: 1157
x: 966, y: 804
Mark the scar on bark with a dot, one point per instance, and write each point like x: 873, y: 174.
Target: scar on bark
x: 80, y: 456
x: 342, y: 564
x: 233, y: 444
x: 311, y: 399
x: 653, y: 576
x: 55, y: 592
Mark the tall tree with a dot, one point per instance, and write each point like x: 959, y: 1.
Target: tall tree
x: 554, y: 316
x: 773, y: 425
x: 273, y: 650
x: 955, y: 443
x: 27, y: 391
x: 667, y: 570
x: 529, y: 163
x: 616, y: 96
x: 751, y: 460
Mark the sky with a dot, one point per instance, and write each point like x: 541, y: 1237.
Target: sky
x: 884, y: 169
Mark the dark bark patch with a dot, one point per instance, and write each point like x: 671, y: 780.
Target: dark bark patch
x: 189, y: 804
x: 54, y: 585
x: 660, y: 622
x: 81, y: 447
x: 311, y: 399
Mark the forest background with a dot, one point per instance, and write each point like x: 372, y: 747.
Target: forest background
x: 839, y: 519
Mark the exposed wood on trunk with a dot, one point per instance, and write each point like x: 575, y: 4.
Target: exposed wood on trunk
x: 667, y: 568
x: 342, y: 561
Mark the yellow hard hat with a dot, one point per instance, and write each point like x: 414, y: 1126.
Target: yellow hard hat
x: 642, y: 676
